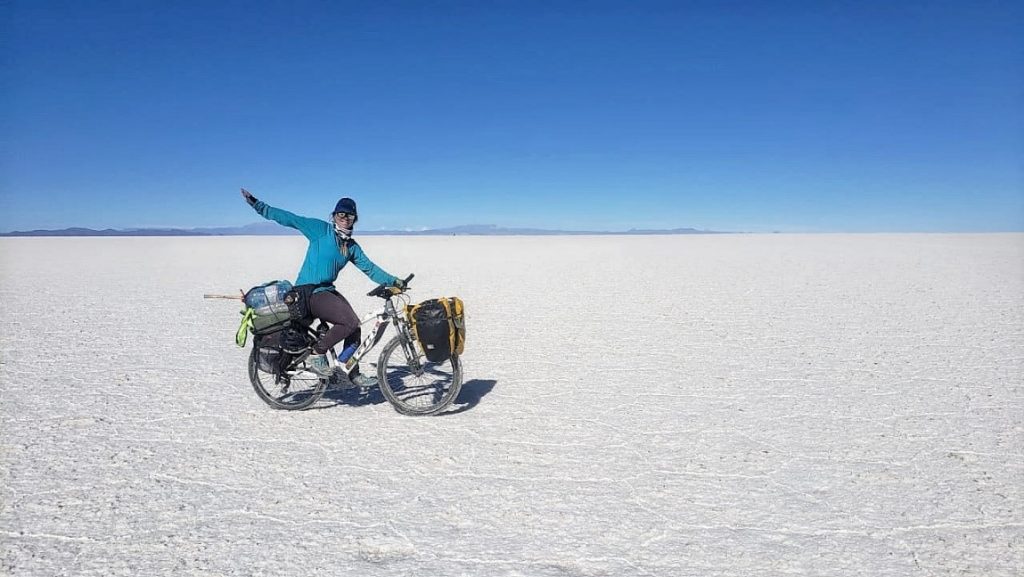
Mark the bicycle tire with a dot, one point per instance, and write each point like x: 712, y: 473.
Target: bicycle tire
x: 265, y: 384
x: 427, y: 393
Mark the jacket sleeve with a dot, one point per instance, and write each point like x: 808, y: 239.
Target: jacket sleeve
x: 371, y: 270
x: 309, y: 227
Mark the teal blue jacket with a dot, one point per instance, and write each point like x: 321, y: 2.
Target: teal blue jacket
x: 325, y: 257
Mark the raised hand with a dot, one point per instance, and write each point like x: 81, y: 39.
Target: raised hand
x: 248, y: 197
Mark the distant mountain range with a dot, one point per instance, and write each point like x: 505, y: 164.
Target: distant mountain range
x: 273, y: 229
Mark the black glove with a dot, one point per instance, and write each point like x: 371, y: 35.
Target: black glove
x: 249, y: 197
x: 397, y: 287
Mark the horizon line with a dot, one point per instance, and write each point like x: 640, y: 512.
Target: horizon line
x: 270, y: 229
x: 273, y: 229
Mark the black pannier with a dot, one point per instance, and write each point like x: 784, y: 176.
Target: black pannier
x: 275, y: 351
x: 439, y: 326
x: 270, y: 358
x: 294, y: 339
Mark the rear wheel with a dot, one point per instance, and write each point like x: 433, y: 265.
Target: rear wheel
x: 291, y: 390
x: 424, y: 391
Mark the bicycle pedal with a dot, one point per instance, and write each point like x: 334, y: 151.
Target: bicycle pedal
x: 340, y: 379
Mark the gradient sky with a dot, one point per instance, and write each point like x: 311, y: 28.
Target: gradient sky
x: 756, y: 116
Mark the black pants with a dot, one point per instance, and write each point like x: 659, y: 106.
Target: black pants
x: 334, y: 308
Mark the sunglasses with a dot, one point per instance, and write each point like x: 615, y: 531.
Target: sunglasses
x: 344, y: 215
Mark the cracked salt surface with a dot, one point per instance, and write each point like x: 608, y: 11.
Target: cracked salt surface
x: 688, y: 405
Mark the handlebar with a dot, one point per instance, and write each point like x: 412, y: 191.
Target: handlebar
x: 384, y: 291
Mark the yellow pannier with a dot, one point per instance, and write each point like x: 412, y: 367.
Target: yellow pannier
x: 440, y: 327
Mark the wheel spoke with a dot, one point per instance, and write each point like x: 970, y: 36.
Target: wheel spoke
x: 422, y: 392
x: 293, y: 390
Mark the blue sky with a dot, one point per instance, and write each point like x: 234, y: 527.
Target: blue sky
x: 757, y: 116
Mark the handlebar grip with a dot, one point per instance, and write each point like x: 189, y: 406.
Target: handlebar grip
x: 380, y: 290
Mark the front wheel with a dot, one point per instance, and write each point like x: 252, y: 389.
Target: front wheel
x: 424, y: 391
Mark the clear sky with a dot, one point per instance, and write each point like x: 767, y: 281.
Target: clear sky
x: 755, y: 116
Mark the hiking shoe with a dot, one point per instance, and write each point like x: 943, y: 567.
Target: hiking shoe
x: 319, y: 365
x: 364, y: 381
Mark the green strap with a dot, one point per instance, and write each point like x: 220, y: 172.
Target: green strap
x: 243, y: 329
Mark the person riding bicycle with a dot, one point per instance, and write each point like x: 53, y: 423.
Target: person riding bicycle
x: 331, y: 247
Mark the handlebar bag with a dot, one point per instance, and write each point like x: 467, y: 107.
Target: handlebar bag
x: 440, y: 327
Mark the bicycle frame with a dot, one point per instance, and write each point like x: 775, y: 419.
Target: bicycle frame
x: 381, y: 319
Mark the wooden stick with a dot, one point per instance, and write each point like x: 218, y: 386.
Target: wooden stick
x: 240, y: 297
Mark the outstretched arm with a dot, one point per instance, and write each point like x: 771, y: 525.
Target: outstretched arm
x: 309, y: 227
x: 371, y: 270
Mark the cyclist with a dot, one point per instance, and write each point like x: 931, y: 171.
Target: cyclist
x: 331, y: 247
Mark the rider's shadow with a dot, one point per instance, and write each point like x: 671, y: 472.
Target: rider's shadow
x: 470, y: 395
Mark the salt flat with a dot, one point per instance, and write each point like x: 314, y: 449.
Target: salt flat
x: 729, y: 405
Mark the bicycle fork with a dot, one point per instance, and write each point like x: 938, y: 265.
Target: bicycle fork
x: 409, y: 348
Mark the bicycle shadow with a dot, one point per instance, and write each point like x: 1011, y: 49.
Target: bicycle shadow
x: 470, y: 395
x: 350, y: 396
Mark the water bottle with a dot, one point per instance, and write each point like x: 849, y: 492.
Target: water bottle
x: 347, y: 353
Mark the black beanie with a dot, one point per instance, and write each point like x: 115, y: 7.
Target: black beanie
x: 347, y: 205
